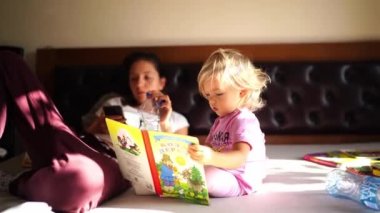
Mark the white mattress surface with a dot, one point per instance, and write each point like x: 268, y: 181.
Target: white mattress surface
x: 292, y: 185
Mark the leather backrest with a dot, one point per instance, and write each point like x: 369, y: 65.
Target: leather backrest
x: 302, y: 98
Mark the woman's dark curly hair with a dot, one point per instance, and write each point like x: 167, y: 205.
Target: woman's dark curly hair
x: 128, y: 62
x: 146, y: 56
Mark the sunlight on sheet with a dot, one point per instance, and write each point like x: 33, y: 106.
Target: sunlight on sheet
x: 279, y: 177
x: 40, y: 207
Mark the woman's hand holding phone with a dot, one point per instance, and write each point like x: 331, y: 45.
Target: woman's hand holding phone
x: 114, y: 113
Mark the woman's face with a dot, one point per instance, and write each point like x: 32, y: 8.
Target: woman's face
x: 143, y: 77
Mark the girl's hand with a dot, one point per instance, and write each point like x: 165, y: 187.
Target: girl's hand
x: 231, y: 159
x: 200, y: 153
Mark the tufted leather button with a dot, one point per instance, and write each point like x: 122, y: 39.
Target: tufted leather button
x: 310, y: 76
x: 346, y: 74
x: 369, y: 98
x: 313, y: 118
x: 294, y: 98
x: 349, y: 119
x: 328, y: 98
x: 278, y: 119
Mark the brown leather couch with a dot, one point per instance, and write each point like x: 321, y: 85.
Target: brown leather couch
x: 303, y: 97
x: 328, y: 92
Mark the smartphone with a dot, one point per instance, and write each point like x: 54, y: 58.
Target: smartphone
x: 113, y: 111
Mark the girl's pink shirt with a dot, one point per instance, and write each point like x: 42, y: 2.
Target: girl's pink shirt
x: 241, y: 125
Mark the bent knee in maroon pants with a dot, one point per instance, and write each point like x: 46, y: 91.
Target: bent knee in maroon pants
x: 74, y: 183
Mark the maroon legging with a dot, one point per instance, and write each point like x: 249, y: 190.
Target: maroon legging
x: 66, y: 173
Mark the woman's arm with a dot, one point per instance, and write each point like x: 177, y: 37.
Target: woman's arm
x: 94, y: 121
x: 228, y: 160
x: 165, y: 127
x: 97, y: 126
x: 166, y: 112
x: 183, y: 131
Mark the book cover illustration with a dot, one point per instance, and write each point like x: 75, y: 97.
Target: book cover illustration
x: 158, y: 163
x: 355, y: 161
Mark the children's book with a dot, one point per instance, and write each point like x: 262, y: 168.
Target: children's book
x: 158, y: 163
x: 355, y: 161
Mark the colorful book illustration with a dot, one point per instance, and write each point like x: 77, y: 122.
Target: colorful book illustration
x: 360, y: 162
x: 158, y: 163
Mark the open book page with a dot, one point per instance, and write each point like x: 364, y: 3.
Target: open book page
x: 159, y: 163
x: 130, y: 152
x: 179, y: 175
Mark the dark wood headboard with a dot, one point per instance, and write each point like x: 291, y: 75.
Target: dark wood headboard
x: 48, y: 59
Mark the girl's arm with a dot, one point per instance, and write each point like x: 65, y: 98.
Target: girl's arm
x: 228, y: 160
x: 93, y: 121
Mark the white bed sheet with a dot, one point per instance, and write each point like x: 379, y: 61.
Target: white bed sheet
x: 292, y: 185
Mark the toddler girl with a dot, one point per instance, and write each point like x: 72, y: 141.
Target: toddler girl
x: 234, y: 151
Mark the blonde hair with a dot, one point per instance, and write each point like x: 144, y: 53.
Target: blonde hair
x: 234, y: 69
